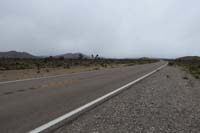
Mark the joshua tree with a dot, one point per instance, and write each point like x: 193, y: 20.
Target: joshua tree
x: 96, y: 57
x: 92, y: 56
x: 38, y: 67
x: 80, y: 57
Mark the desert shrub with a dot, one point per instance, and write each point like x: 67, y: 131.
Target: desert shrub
x: 96, y: 68
x: 52, y: 62
x: 191, y: 66
x: 66, y: 66
x: 171, y: 63
x: 197, y: 76
x: 2, y: 68
x: 103, y: 65
x: 130, y: 64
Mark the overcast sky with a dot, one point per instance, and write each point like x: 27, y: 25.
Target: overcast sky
x: 111, y: 28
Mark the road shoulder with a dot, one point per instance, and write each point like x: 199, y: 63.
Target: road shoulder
x: 164, y: 102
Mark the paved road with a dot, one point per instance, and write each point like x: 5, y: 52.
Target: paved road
x: 29, y: 104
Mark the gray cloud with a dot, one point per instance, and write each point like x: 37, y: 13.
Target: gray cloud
x: 111, y: 28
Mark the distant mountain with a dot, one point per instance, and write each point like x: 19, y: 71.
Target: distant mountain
x: 186, y: 58
x: 144, y: 58
x: 73, y: 56
x: 15, y: 54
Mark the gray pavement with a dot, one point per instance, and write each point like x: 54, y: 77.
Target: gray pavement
x: 30, y: 104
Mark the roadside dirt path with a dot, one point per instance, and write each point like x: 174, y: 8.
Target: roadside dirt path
x: 32, y: 73
x: 162, y: 103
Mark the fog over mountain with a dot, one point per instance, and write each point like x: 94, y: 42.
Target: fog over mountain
x: 110, y: 28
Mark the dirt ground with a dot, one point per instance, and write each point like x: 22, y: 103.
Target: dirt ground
x: 32, y: 73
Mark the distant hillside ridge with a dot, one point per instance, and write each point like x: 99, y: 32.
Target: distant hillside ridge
x: 15, y: 54
x: 26, y: 55
x: 188, y: 58
x: 74, y: 56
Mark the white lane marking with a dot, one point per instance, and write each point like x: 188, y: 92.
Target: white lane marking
x: 90, y: 104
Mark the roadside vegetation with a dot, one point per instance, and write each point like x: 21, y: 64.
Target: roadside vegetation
x: 61, y: 62
x: 191, y: 66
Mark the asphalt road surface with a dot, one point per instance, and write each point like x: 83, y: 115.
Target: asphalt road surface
x: 27, y: 105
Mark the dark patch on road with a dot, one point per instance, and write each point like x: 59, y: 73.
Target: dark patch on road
x: 17, y: 91
x: 20, y: 90
x: 32, y: 88
x: 8, y: 93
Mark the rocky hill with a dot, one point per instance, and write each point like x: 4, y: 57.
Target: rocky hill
x: 15, y: 54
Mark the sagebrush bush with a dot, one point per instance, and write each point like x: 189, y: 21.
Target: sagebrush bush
x: 52, y: 62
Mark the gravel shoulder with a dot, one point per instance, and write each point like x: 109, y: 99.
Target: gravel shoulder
x: 164, y: 102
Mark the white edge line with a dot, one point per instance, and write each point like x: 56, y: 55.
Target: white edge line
x: 90, y: 104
